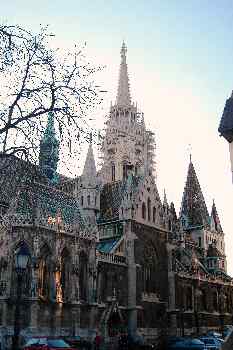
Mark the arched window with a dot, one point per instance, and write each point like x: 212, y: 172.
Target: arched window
x: 124, y: 170
x: 82, y: 200
x: 113, y: 172
x: 148, y: 209
x: 95, y: 200
x: 169, y: 225
x: 65, y: 275
x: 45, y: 274
x: 154, y: 214
x: 88, y: 200
x: 83, y: 260
x: 143, y: 210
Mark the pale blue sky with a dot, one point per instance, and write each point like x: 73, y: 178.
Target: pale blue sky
x: 180, y: 57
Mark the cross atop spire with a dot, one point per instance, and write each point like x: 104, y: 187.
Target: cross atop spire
x: 123, y: 94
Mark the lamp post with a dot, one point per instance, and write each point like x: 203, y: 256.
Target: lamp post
x: 21, y: 261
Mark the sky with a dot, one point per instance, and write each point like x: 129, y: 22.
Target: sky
x: 181, y: 73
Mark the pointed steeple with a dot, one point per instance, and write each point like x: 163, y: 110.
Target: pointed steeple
x: 49, y: 150
x: 89, y: 170
x: 123, y: 94
x: 165, y: 203
x: 193, y: 211
x: 215, y: 224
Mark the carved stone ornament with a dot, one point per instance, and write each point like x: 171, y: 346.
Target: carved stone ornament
x: 75, y: 269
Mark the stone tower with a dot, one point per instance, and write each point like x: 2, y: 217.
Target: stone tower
x: 49, y: 150
x: 127, y: 146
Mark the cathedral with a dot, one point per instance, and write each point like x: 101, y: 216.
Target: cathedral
x: 104, y: 252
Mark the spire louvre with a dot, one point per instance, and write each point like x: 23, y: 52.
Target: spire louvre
x: 123, y: 94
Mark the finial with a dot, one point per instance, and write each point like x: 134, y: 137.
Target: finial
x: 123, y: 52
x: 190, y: 152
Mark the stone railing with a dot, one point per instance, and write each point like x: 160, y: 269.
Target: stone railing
x: 111, y: 258
x: 23, y: 220
x: 150, y: 297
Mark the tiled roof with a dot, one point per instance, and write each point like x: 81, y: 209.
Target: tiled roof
x: 112, y: 194
x: 193, y: 207
x: 110, y: 199
x: 28, y: 193
x: 105, y: 246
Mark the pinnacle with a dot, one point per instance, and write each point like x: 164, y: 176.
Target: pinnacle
x: 89, y: 171
x: 123, y: 94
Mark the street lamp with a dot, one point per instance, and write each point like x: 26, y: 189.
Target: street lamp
x: 21, y: 260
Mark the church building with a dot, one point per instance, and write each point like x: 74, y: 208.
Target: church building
x: 104, y: 252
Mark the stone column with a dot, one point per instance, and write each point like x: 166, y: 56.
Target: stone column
x: 34, y: 315
x: 132, y: 307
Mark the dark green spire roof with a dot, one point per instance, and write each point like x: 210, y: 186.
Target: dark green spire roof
x: 49, y: 150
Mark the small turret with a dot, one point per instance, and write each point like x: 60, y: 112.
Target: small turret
x: 215, y: 224
x: 49, y: 150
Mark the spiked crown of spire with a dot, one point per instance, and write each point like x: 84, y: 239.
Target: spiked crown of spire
x: 193, y: 207
x: 123, y: 93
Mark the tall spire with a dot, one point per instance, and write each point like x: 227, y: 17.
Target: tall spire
x: 123, y: 94
x: 49, y: 150
x: 193, y: 207
x: 89, y: 170
x: 215, y: 222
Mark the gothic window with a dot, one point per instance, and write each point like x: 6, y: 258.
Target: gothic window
x: 88, y: 200
x: 45, y: 274
x: 148, y: 209
x: 65, y: 275
x: 82, y: 200
x: 189, y: 299
x: 113, y: 172
x: 124, y: 171
x: 143, y: 210
x: 83, y: 277
x: 154, y: 214
x: 146, y: 279
x: 95, y: 200
x: 169, y: 225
